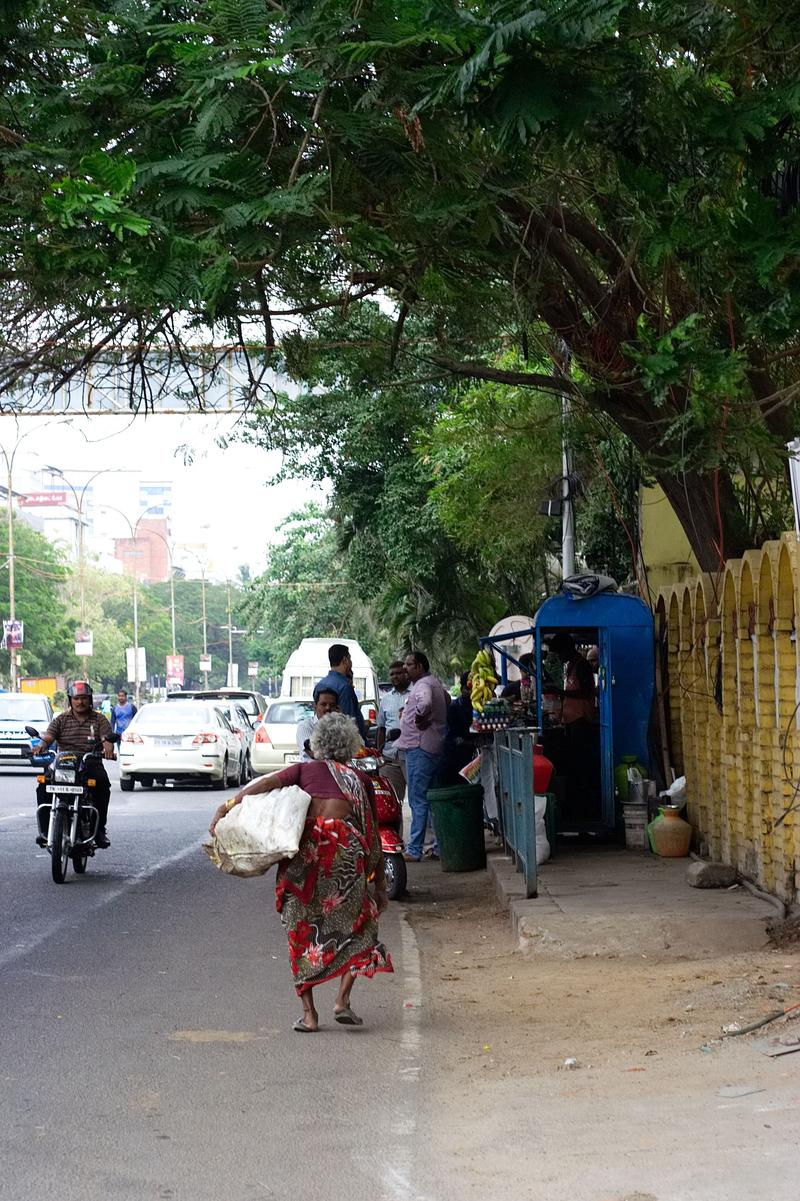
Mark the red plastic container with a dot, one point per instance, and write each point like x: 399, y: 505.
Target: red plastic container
x: 542, y: 771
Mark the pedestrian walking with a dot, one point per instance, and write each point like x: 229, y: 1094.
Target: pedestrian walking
x: 123, y: 712
x: 422, y: 735
x: 331, y: 893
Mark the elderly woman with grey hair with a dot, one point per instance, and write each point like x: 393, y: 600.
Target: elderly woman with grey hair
x: 323, y: 894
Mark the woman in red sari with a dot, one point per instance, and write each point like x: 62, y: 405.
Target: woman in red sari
x: 323, y: 894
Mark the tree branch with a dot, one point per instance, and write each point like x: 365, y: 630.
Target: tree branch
x: 516, y: 379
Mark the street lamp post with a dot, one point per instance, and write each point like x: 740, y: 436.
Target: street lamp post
x: 230, y: 639
x: 79, y: 501
x: 171, y: 576
x: 205, y: 621
x: 9, y: 457
x: 201, y: 564
x: 134, y: 528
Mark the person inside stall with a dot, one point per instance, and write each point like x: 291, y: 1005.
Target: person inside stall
x: 521, y: 692
x: 459, y: 744
x: 581, y: 732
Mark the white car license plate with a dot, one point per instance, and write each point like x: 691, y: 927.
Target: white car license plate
x: 168, y: 742
x: 291, y: 759
x: 70, y: 789
x: 11, y: 750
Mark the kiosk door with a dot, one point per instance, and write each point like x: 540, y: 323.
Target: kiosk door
x: 605, y: 689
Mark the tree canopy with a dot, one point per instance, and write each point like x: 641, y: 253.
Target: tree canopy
x: 605, y: 187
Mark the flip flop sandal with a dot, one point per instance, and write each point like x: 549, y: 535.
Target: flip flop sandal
x: 301, y: 1028
x: 346, y: 1017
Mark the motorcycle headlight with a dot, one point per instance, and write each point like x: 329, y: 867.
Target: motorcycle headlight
x: 64, y: 775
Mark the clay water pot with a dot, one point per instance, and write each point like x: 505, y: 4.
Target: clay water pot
x: 670, y: 835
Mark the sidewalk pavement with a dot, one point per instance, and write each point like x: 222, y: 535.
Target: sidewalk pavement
x: 611, y: 902
x: 576, y: 1073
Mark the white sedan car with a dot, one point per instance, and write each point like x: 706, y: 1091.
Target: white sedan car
x: 187, y: 742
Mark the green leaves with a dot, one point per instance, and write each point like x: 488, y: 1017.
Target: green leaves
x: 75, y: 202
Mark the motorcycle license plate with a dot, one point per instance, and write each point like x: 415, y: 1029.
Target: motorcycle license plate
x: 66, y: 789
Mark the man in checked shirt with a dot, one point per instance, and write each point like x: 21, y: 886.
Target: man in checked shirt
x: 81, y: 729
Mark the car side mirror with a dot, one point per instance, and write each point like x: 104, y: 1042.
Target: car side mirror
x: 32, y: 731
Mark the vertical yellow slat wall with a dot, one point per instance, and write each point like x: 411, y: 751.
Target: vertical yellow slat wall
x: 737, y: 629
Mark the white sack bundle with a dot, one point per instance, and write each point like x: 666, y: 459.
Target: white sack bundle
x: 263, y: 829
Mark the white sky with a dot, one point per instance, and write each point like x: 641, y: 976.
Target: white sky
x: 224, y: 499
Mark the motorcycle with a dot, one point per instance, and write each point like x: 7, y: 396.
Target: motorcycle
x: 389, y: 809
x: 72, y: 817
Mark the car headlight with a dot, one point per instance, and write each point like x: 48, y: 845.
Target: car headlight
x: 63, y: 775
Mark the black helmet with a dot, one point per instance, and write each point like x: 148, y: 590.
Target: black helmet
x: 80, y: 688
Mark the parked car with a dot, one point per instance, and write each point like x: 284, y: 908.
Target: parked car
x: 241, y: 723
x: 188, y: 742
x: 253, y: 703
x: 275, y: 740
x: 18, y: 710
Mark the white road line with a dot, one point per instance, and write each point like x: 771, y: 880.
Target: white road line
x: 398, y: 1167
x: 19, y: 952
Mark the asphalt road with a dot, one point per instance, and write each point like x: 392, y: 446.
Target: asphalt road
x: 147, y: 1049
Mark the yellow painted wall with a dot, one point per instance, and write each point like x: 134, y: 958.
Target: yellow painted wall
x: 665, y: 547
x: 742, y: 766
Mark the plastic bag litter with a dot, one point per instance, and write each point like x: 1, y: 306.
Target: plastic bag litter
x: 265, y: 828
x: 472, y: 771
x: 542, y: 843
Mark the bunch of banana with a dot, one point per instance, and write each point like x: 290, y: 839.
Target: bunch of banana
x: 483, y: 680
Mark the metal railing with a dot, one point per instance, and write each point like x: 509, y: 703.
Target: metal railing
x: 514, y: 757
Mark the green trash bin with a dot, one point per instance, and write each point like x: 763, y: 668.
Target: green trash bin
x: 458, y: 820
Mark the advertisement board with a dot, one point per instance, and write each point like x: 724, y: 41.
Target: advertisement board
x: 252, y: 668
x: 205, y: 663
x: 175, y: 674
x: 13, y: 635
x: 130, y: 663
x: 83, y: 642
x: 42, y: 499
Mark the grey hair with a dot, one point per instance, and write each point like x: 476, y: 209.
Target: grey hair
x: 336, y: 737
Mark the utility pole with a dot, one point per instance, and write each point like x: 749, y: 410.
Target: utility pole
x: 230, y: 639
x: 567, y: 510
x: 134, y: 532
x: 563, y: 360
x: 12, y: 650
x: 79, y: 502
x: 9, y: 457
x: 205, y: 622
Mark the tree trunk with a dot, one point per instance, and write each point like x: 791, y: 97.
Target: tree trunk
x: 710, y: 515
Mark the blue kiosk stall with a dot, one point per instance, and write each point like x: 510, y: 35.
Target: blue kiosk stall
x: 621, y: 627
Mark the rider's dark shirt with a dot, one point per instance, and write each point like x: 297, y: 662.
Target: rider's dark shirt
x: 80, y: 736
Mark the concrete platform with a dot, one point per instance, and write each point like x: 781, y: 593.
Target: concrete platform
x: 608, y: 902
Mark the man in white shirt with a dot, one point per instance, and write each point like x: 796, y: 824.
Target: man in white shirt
x: 327, y: 702
x: 391, y: 706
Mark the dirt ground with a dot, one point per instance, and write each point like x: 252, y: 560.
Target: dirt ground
x: 647, y: 1038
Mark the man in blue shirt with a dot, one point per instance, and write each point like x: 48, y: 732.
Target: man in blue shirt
x: 123, y: 712
x: 338, y: 680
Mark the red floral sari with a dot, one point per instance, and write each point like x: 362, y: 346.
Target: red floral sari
x: 322, y: 894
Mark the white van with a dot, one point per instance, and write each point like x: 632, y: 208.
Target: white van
x: 309, y: 663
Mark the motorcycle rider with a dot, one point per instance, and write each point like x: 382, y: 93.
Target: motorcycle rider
x: 80, y: 729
